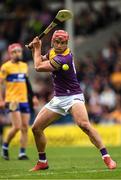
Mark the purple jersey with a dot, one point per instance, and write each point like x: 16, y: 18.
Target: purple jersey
x: 65, y: 82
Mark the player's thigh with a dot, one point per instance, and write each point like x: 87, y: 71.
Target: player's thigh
x: 44, y: 118
x: 15, y: 118
x: 25, y: 117
x: 79, y: 113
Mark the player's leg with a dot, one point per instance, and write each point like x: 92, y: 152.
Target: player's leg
x: 79, y: 113
x: 25, y: 117
x: 43, y: 119
x: 15, y: 118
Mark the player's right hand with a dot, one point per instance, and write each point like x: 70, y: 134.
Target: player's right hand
x: 2, y: 104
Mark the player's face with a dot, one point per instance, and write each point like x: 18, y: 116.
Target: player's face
x: 16, y: 55
x: 59, y: 45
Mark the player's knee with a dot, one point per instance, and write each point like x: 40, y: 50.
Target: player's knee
x: 24, y: 128
x: 85, y: 126
x: 35, y: 129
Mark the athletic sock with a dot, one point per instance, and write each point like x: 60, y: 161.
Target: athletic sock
x: 5, y: 145
x: 42, y: 157
x: 22, y: 151
x: 104, y: 152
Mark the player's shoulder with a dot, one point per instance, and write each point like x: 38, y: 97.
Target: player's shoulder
x: 6, y: 64
x: 66, y: 52
x: 66, y: 55
x: 51, y: 53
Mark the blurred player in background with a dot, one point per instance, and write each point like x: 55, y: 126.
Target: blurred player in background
x: 68, y: 96
x: 14, y: 72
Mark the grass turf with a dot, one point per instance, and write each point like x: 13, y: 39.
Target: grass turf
x: 64, y: 162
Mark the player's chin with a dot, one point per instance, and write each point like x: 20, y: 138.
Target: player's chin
x: 17, y: 59
x: 59, y: 50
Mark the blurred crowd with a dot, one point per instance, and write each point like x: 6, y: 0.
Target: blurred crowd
x: 21, y: 20
x: 100, y: 78
x: 90, y: 19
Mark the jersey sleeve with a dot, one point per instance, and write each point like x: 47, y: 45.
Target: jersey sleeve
x: 3, y: 72
x: 57, y: 62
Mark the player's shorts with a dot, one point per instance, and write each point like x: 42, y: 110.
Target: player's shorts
x: 62, y: 104
x: 22, y: 107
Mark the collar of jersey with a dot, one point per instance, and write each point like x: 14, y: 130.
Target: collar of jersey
x: 66, y: 52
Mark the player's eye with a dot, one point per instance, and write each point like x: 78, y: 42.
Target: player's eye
x: 62, y: 42
x: 57, y: 41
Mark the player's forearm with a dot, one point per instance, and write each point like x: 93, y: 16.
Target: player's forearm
x: 1, y: 96
x: 37, y: 57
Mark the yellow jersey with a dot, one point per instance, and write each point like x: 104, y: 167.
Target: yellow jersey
x: 14, y: 75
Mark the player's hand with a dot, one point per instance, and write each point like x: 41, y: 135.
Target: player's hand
x: 36, y: 43
x: 2, y: 104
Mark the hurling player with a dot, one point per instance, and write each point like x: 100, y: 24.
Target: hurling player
x: 14, y: 72
x: 68, y: 97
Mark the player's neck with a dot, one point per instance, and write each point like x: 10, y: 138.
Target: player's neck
x: 14, y: 62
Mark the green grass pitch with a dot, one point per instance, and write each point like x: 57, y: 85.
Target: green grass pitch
x: 64, y: 162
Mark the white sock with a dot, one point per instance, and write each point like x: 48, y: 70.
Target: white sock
x: 21, y: 154
x: 106, y: 155
x: 43, y: 161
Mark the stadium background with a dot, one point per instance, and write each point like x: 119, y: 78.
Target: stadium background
x: 96, y: 43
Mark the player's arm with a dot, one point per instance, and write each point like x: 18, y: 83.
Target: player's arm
x: 3, y: 75
x: 2, y: 102
x: 39, y: 64
x: 43, y: 57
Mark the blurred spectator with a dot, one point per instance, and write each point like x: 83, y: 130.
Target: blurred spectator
x: 115, y: 116
x: 43, y: 88
x: 115, y: 78
x: 95, y: 110
x: 100, y: 78
x: 90, y: 20
x: 107, y: 98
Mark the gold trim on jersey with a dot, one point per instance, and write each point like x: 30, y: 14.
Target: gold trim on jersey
x: 52, y: 53
x: 55, y: 64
